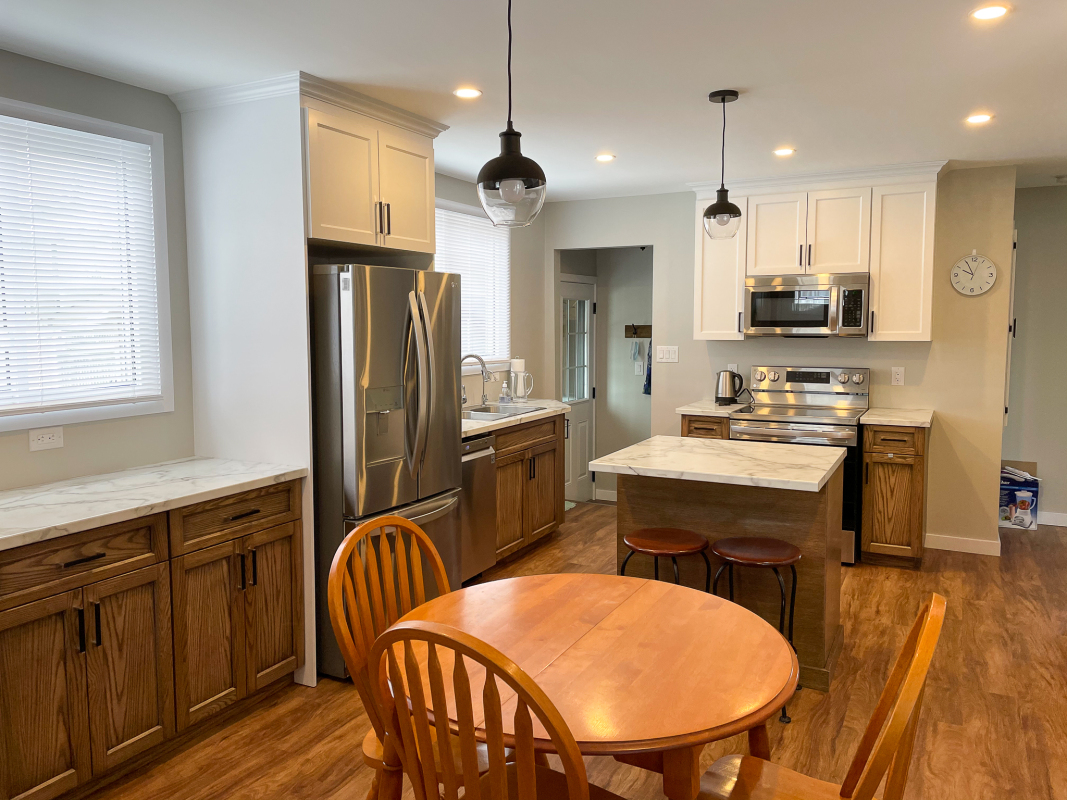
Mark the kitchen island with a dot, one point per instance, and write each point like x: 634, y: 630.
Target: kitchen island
x: 722, y: 489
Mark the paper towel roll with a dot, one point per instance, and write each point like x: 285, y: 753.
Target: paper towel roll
x: 518, y: 365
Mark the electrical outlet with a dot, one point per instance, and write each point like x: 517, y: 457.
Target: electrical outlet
x: 898, y: 376
x: 732, y: 367
x: 46, y: 438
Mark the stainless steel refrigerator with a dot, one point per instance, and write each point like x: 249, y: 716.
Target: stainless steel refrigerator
x: 386, y: 412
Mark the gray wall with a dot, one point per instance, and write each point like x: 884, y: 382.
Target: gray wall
x: 624, y: 297
x: 578, y: 262
x: 1037, y: 429
x: 96, y: 447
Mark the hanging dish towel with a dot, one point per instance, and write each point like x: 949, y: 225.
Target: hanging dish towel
x: 635, y: 351
x: 648, y: 370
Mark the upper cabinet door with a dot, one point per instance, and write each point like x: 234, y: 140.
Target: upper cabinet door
x: 839, y: 231
x: 776, y: 233
x: 407, y: 189
x: 720, y: 280
x: 902, y: 256
x: 342, y: 174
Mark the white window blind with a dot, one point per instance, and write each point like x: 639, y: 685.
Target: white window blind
x: 481, y: 254
x: 79, y: 321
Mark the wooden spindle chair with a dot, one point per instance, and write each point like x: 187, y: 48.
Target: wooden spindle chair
x: 376, y: 578
x: 407, y: 683
x: 886, y: 746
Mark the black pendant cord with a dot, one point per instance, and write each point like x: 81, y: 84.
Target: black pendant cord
x: 509, y: 65
x: 722, y: 174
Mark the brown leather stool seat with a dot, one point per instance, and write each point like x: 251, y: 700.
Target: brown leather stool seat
x: 759, y: 551
x: 667, y: 543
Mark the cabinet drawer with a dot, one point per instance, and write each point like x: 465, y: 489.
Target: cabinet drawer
x: 59, y: 565
x: 907, y: 441
x: 706, y: 427
x: 528, y: 435
x: 215, y: 521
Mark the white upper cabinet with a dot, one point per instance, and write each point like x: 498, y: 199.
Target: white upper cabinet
x: 405, y: 161
x: 369, y: 182
x: 902, y: 256
x: 838, y: 231
x: 776, y: 232
x: 720, y: 280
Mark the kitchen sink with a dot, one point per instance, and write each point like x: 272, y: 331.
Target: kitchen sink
x: 494, y: 411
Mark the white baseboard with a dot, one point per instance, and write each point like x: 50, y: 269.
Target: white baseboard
x: 982, y: 547
x: 1051, y: 518
x: 606, y: 494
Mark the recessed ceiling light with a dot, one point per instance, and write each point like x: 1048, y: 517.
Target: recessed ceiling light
x: 785, y: 151
x: 978, y: 119
x: 468, y: 94
x: 605, y: 157
x: 990, y: 12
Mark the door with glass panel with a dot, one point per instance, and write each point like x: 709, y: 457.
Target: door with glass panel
x: 577, y: 377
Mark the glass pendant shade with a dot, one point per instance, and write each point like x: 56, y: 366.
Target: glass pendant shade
x: 511, y: 187
x: 722, y: 218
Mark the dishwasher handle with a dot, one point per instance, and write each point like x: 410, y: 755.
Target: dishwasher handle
x: 488, y: 451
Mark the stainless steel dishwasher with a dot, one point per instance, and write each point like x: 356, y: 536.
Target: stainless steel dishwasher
x: 478, y: 507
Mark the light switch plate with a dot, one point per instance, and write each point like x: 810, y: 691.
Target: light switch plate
x: 639, y: 368
x: 898, y: 376
x: 732, y: 367
x: 46, y: 438
x: 668, y: 353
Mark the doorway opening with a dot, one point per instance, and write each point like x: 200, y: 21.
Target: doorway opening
x: 605, y: 304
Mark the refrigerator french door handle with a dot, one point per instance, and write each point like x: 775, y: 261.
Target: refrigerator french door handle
x: 428, y: 327
x: 419, y: 447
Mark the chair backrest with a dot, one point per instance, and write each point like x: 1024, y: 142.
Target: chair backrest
x: 890, y: 736
x: 414, y: 659
x: 375, y: 579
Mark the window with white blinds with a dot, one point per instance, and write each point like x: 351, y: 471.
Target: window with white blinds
x: 481, y: 254
x: 79, y: 314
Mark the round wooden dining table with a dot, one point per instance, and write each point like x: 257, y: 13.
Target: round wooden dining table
x: 646, y: 671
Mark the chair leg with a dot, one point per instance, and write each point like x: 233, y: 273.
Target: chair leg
x: 656, y: 559
x: 715, y: 585
x: 374, y: 784
x: 707, y: 573
x: 792, y: 603
x: 622, y: 569
x: 731, y: 573
x: 785, y: 718
x: 677, y: 579
x: 781, y: 612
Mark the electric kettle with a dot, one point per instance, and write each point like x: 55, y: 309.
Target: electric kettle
x: 728, y: 386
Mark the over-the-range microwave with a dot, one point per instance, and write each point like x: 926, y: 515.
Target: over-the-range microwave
x: 807, y: 305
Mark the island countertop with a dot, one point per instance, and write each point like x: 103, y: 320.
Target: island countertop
x: 804, y: 468
x: 39, y: 513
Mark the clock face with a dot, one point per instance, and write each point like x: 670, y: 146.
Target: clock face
x: 973, y: 275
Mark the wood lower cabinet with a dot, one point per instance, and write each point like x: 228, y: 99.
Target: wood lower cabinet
x: 274, y: 623
x: 894, y: 494
x: 705, y: 427
x: 530, y: 475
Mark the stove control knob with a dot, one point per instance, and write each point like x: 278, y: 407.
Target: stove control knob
x: 857, y: 378
x: 760, y: 375
x: 774, y: 375
x: 843, y: 377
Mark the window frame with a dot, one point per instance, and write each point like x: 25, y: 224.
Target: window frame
x: 496, y: 365
x: 113, y: 409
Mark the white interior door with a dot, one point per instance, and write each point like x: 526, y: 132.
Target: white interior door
x: 776, y: 232
x: 839, y: 231
x: 1012, y: 322
x: 577, y: 375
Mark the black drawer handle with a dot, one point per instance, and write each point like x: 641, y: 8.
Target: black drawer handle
x: 887, y: 439
x: 242, y: 515
x: 83, y: 560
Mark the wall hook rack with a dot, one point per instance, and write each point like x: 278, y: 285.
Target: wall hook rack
x: 638, y: 331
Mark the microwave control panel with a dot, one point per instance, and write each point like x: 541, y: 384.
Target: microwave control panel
x: 851, y: 308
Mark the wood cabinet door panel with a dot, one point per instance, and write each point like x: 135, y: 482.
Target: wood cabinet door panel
x: 130, y: 665
x: 273, y: 604
x: 405, y: 161
x: 776, y: 232
x: 342, y: 174
x: 893, y: 498
x: 209, y: 635
x: 510, y: 486
x: 44, y: 720
x: 541, y: 491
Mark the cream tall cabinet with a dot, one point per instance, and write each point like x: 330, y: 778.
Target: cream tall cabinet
x: 879, y: 222
x: 369, y: 182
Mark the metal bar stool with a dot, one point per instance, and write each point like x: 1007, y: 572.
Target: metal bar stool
x: 667, y: 543
x: 761, y: 552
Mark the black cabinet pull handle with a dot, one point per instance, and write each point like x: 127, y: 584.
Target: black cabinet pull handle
x: 529, y: 472
x: 255, y: 570
x: 800, y: 256
x: 99, y: 632
x: 388, y: 219
x: 887, y: 439
x: 83, y: 560
x: 866, y: 472
x: 809, y: 255
x: 242, y: 515
x: 740, y: 327
x: 244, y: 582
x: 81, y: 630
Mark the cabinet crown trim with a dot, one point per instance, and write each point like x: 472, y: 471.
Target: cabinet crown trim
x: 215, y: 96
x: 890, y: 174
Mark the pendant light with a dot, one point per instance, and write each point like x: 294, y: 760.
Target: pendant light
x: 511, y: 187
x: 722, y: 218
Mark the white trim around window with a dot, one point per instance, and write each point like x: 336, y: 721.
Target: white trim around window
x: 94, y: 410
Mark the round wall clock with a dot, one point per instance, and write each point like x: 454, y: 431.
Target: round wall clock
x: 973, y: 275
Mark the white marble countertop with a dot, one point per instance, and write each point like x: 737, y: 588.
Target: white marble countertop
x: 905, y: 417
x: 708, y: 408
x: 548, y: 408
x: 38, y: 513
x: 805, y: 468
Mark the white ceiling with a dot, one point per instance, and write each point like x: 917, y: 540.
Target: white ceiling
x: 849, y: 83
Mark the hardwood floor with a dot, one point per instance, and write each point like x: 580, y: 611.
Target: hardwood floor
x: 994, y: 723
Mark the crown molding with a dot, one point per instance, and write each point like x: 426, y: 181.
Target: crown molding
x: 843, y: 179
x: 304, y: 85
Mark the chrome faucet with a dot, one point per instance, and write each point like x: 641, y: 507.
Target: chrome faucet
x: 486, y: 376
